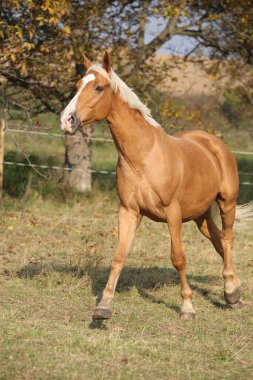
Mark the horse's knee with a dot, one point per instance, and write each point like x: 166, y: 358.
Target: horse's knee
x: 178, y: 261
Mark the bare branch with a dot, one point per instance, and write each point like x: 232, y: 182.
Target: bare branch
x: 142, y: 22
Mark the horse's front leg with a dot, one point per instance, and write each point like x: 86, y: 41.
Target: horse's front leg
x: 174, y: 220
x: 128, y: 222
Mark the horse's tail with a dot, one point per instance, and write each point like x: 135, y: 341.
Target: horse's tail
x: 244, y: 216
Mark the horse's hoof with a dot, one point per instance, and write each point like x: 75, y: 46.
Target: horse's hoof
x: 101, y: 313
x: 237, y: 305
x: 187, y: 316
x: 232, y: 298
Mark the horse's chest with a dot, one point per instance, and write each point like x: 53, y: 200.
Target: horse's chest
x: 140, y: 193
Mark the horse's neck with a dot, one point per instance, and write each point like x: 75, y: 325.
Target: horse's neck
x: 132, y: 134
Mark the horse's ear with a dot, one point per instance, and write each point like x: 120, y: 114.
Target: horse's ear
x: 86, y: 61
x: 106, y: 61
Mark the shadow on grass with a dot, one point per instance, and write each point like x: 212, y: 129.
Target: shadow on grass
x: 143, y: 279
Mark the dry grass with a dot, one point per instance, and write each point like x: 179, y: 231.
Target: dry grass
x: 55, y: 259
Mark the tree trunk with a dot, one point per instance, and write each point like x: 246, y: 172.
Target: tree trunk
x: 78, y: 153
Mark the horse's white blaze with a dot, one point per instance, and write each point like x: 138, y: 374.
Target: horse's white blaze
x: 71, y: 107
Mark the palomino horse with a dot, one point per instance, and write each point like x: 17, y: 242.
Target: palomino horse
x: 170, y: 179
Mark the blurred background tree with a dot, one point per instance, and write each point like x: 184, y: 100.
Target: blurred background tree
x: 42, y: 41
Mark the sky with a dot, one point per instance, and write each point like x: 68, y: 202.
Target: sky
x: 177, y: 45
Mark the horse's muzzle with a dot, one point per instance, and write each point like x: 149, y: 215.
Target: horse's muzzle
x: 71, y: 124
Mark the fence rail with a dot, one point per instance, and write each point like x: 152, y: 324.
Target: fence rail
x: 242, y: 152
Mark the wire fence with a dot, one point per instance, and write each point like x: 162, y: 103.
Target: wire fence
x: 58, y: 135
x: 96, y: 139
x: 55, y: 167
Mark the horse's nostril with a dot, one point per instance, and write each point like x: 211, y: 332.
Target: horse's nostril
x: 72, y: 120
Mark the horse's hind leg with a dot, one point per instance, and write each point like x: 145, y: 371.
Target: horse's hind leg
x: 209, y: 229
x: 232, y: 283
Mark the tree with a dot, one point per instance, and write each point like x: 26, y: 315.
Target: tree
x: 41, y: 44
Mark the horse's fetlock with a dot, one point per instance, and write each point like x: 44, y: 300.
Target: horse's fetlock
x: 186, y: 294
x: 228, y: 274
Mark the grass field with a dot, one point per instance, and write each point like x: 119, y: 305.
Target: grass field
x: 55, y: 258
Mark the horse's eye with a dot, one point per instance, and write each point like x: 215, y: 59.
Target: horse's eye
x: 99, y: 88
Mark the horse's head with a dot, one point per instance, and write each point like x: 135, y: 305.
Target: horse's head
x: 93, y: 98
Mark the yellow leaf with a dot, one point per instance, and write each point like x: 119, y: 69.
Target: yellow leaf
x: 10, y: 228
x: 51, y: 11
x: 53, y: 20
x: 66, y: 30
x: 46, y: 5
x: 30, y: 4
x: 44, y: 49
x: 24, y: 71
x: 28, y: 45
x: 31, y: 33
x: 19, y: 33
x: 13, y: 57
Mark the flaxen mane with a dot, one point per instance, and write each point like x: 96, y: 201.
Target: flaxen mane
x: 126, y: 93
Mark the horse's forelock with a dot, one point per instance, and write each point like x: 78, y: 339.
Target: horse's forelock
x: 99, y: 69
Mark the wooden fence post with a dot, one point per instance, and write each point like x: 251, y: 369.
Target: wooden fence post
x: 2, y: 129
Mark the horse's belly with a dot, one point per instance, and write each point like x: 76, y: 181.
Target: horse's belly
x: 156, y: 208
x: 198, y: 196
x: 154, y: 213
x: 193, y: 214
